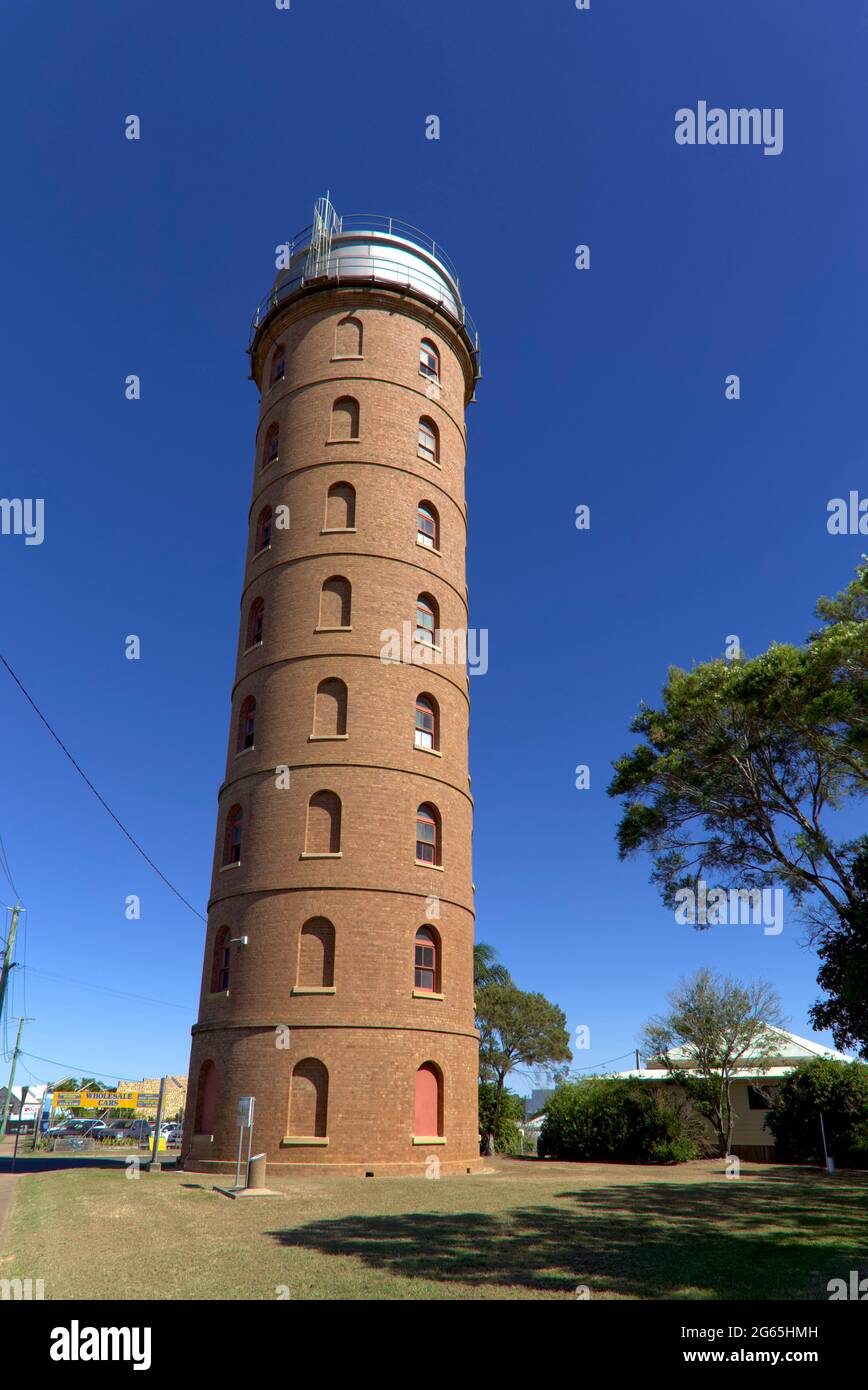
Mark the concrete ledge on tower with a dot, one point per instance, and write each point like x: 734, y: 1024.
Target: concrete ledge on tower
x: 434, y: 1139
x: 313, y: 989
x: 296, y: 1140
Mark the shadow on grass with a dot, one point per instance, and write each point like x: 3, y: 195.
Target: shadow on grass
x: 51, y: 1163
x: 661, y: 1240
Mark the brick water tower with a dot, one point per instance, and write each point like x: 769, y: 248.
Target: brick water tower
x: 338, y: 976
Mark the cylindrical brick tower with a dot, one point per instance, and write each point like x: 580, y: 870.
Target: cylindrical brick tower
x: 337, y: 986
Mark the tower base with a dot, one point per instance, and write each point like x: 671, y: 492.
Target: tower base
x: 447, y: 1169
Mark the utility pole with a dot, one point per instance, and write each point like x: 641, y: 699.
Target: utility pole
x: 8, y: 1100
x: 37, y: 1121
x: 8, y: 963
x: 160, y: 1103
x: 24, y: 1091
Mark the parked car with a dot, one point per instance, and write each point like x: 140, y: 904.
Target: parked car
x: 82, y: 1129
x: 137, y: 1130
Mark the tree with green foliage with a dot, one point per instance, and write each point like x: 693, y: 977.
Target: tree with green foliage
x: 516, y: 1029
x: 843, y: 973
x: 719, y: 1023
x: 740, y: 773
x: 613, y: 1120
x: 487, y: 969
x: 505, y: 1128
x: 836, y: 1090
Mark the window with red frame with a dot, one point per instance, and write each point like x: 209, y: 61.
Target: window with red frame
x: 427, y: 446
x: 254, y: 622
x: 232, y: 851
x: 427, y: 835
x: 427, y: 528
x: 426, y: 619
x: 220, y: 971
x: 278, y: 364
x: 272, y: 443
x: 246, y: 724
x: 426, y: 722
x: 426, y: 960
x: 263, y: 530
x: 429, y: 360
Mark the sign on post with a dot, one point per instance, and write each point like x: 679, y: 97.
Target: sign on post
x: 244, y: 1115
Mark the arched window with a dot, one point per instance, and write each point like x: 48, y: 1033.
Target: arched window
x: 323, y: 833
x: 263, y: 531
x: 429, y: 359
x: 427, y: 834
x: 429, y: 1102
x: 429, y: 440
x: 232, y: 841
x: 427, y: 732
x: 345, y: 419
x: 220, y: 962
x: 246, y: 724
x: 309, y: 1100
x: 206, y: 1099
x: 340, y: 507
x: 316, y: 955
x: 255, y: 619
x: 426, y: 961
x: 272, y: 444
x: 427, y: 619
x: 278, y: 363
x: 349, y: 337
x: 330, y: 708
x: 428, y: 525
x: 335, y: 603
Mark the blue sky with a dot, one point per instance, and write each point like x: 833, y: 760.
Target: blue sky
x: 603, y: 387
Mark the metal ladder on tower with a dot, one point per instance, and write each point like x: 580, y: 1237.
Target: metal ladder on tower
x: 325, y: 223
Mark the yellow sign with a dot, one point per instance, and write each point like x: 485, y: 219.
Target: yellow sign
x: 98, y: 1100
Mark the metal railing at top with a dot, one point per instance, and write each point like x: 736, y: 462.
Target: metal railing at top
x: 372, y: 269
x: 393, y: 226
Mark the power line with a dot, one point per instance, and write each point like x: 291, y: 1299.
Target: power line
x: 7, y: 872
x: 83, y: 775
x: 605, y: 1064
x: 104, y: 989
x: 73, y: 1070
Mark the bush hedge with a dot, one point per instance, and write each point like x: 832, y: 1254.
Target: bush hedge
x: 606, y: 1120
x: 836, y: 1090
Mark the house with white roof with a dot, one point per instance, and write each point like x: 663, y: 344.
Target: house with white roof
x: 753, y: 1089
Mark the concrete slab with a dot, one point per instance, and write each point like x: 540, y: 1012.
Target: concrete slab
x: 234, y: 1192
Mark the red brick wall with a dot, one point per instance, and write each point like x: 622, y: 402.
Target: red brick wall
x: 370, y: 1032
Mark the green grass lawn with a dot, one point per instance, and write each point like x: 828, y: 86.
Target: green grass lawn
x: 523, y: 1229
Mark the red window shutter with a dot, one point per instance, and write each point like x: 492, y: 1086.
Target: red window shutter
x: 427, y: 1102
